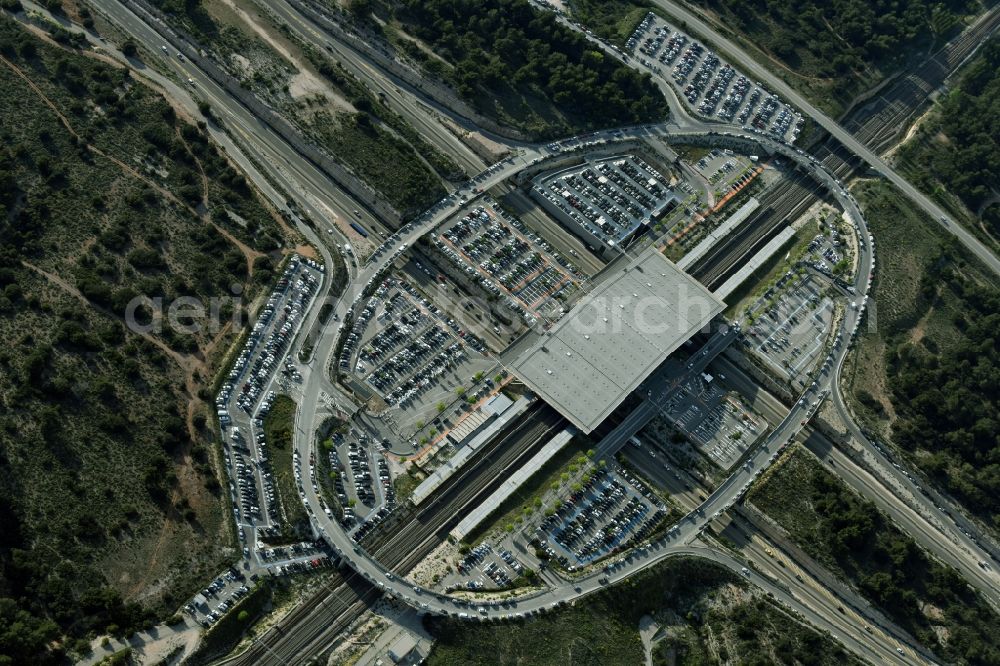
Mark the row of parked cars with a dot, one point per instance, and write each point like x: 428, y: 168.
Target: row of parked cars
x: 270, y: 336
x: 468, y: 338
x: 244, y: 478
x: 358, y: 327
x: 370, y: 523
x: 220, y: 588
x: 604, y: 516
x: 712, y: 87
x: 474, y: 557
x: 407, y: 360
x: 357, y: 458
x: 339, y: 487
x: 402, y: 321
x: 485, y: 281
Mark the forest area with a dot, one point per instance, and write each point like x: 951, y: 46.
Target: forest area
x: 947, y: 399
x: 518, y: 64
x: 848, y: 534
x: 957, y: 152
x: 834, y: 50
x: 107, y: 483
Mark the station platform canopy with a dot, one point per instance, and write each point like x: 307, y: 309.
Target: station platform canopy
x: 637, y: 312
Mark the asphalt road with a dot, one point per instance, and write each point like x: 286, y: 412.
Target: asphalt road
x: 413, y: 108
x: 687, y: 531
x: 321, y: 197
x: 736, y: 55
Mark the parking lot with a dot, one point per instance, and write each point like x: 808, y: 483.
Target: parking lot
x: 232, y: 585
x: 791, y: 323
x: 368, y: 487
x: 608, y: 513
x: 218, y: 597
x: 717, y: 421
x: 509, y: 261
x: 249, y: 390
x: 608, y: 198
x: 711, y: 87
x: 485, y: 568
x: 722, y: 168
x: 414, y: 354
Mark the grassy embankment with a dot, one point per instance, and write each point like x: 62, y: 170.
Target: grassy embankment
x: 924, y: 373
x: 279, y: 427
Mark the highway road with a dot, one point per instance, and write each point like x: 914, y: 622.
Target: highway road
x: 322, y: 198
x: 841, y: 605
x: 935, y: 506
x: 740, y: 59
x: 319, y: 196
x: 909, y: 511
x: 423, y: 114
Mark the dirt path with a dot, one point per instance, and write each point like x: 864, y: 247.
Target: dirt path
x: 94, y: 149
x: 190, y: 365
x: 247, y: 252
x: 197, y: 163
x: 647, y: 631
x: 183, y: 361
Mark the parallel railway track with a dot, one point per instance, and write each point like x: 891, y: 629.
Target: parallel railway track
x: 877, y: 124
x: 331, y: 610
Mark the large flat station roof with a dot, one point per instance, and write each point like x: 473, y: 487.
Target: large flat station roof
x: 639, y: 310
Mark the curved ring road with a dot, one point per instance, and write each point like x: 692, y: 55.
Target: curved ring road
x: 696, y: 24
x: 681, y: 540
x: 261, y: 150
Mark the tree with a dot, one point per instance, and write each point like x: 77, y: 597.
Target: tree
x: 130, y: 49
x: 362, y: 9
x: 243, y: 617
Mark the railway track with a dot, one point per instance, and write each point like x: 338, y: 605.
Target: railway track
x: 331, y: 610
x: 781, y: 204
x: 880, y: 121
x: 876, y: 124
